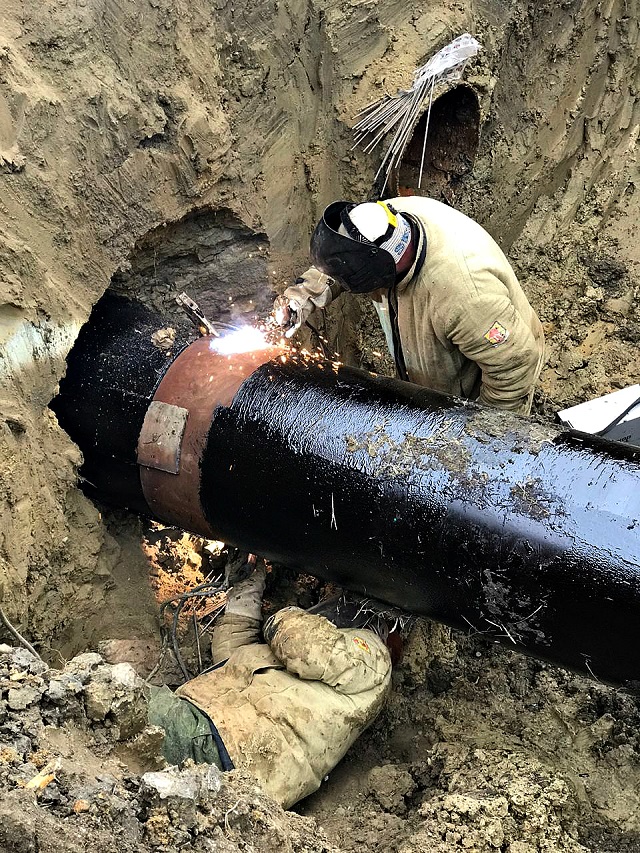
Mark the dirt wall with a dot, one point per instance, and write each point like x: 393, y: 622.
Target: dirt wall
x: 160, y: 146
x: 114, y: 120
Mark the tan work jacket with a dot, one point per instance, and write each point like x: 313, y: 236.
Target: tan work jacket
x: 466, y: 327
x: 289, y: 711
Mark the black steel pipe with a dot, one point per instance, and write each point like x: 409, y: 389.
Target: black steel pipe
x: 489, y: 522
x: 112, y: 373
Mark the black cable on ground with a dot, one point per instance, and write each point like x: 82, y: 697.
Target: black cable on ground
x: 17, y: 635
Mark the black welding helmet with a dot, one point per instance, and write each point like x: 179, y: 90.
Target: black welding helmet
x: 343, y: 253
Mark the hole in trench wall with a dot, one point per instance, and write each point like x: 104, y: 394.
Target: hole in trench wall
x: 112, y: 372
x: 210, y: 254
x: 452, y: 144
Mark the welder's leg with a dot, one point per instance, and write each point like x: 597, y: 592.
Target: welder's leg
x: 239, y: 625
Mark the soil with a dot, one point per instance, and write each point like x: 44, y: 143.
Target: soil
x: 164, y: 146
x: 486, y: 750
x: 79, y: 769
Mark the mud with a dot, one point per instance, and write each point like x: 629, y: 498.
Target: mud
x: 482, y: 749
x: 164, y: 146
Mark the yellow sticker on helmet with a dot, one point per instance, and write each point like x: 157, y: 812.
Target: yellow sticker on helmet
x: 393, y: 219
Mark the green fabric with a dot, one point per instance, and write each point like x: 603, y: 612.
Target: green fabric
x: 187, y: 730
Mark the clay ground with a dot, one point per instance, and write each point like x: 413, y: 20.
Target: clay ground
x: 162, y: 146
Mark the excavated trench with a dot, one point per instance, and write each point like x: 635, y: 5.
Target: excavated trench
x: 172, y: 147
x: 439, y: 508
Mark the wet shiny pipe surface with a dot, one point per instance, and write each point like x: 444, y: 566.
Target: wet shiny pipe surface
x: 486, y: 521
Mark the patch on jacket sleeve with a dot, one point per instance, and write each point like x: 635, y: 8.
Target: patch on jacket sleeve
x: 361, y: 644
x: 497, y: 334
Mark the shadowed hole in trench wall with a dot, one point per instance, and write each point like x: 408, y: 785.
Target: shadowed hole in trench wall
x: 210, y: 254
x: 452, y: 144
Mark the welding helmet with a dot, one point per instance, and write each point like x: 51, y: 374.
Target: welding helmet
x: 360, y: 244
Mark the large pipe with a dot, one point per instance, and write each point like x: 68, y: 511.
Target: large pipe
x: 522, y: 531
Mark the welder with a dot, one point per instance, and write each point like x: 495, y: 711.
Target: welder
x: 286, y: 709
x: 454, y: 315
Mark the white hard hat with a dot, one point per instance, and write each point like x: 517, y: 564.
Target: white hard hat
x: 370, y: 219
x: 378, y: 223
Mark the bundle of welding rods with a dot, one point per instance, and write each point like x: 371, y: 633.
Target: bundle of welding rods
x: 402, y: 110
x: 383, y: 115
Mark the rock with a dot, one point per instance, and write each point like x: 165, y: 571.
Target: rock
x: 8, y: 755
x: 83, y: 665
x: 22, y: 659
x: 119, y: 693
x: 38, y: 667
x: 125, y: 675
x: 56, y: 691
x: 390, y: 785
x: 98, y: 698
x: 64, y: 686
x: 24, y: 772
x: 129, y: 713
x: 50, y: 794
x: 22, y: 745
x: 146, y: 750
x: 200, y: 781
x: 21, y: 697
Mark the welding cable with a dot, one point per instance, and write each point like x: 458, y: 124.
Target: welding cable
x: 203, y: 590
x: 174, y: 641
x: 196, y: 634
x: 17, y: 635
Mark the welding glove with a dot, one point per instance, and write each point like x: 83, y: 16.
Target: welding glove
x: 311, y: 290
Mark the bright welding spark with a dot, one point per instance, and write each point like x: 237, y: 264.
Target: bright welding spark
x: 243, y: 339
